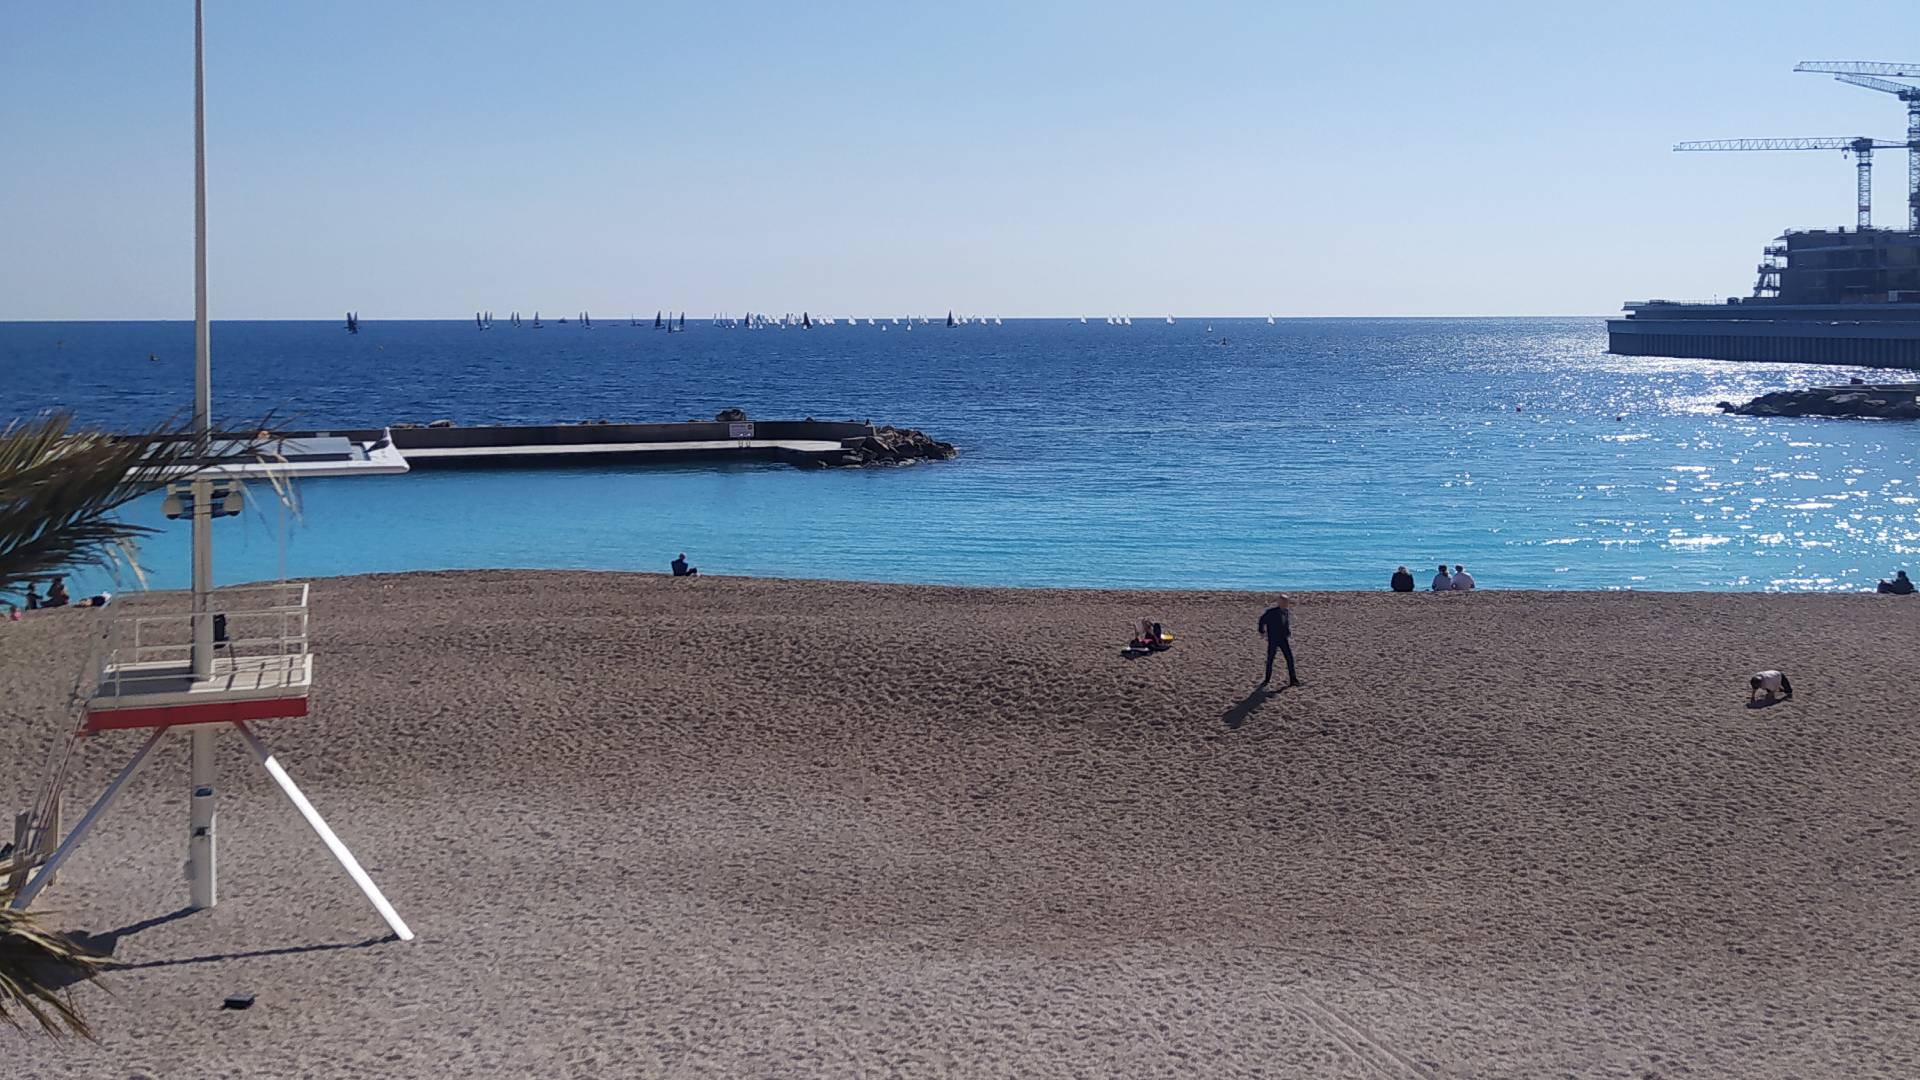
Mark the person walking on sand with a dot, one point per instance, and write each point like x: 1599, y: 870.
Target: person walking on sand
x: 1402, y: 580
x: 1441, y: 581
x: 1277, y: 623
x: 1462, y: 581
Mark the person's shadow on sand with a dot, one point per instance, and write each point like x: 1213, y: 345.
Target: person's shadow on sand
x: 1249, y: 705
x: 1767, y: 702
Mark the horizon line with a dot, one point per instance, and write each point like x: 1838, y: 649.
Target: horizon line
x: 940, y: 317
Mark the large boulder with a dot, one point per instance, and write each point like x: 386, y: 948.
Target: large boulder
x: 730, y: 416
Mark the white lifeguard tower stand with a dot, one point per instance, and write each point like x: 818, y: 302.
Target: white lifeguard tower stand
x: 198, y: 661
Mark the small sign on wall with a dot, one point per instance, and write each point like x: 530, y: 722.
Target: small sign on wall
x: 740, y: 431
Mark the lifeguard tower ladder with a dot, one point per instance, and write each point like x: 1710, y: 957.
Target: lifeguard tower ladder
x: 261, y: 669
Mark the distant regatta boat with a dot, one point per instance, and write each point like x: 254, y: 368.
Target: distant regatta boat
x: 353, y: 323
x: 950, y: 323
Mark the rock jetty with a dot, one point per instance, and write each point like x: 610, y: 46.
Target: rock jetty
x: 1871, y: 401
x: 890, y: 445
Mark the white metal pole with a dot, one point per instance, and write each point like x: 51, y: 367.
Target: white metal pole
x: 67, y: 846
x: 202, y: 867
x: 204, y: 801
x: 327, y: 837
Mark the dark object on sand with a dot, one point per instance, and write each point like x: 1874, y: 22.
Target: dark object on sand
x: 1901, y: 585
x: 1770, y: 683
x: 681, y: 569
x: 730, y: 415
x: 238, y: 1001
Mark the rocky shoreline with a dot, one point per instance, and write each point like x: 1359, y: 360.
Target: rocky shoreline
x: 1858, y: 400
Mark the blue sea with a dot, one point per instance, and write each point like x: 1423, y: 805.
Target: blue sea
x: 1230, y: 453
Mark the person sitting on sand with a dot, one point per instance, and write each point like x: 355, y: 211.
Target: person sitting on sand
x: 1899, y: 586
x: 1277, y: 623
x: 57, y: 593
x: 1442, y: 582
x: 1462, y: 581
x: 33, y: 597
x: 1403, y: 580
x: 13, y: 613
x: 1771, y: 682
x: 681, y: 569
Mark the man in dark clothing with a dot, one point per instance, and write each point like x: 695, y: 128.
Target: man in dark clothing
x: 1402, y: 580
x: 1277, y: 623
x: 1901, y: 585
x: 680, y: 567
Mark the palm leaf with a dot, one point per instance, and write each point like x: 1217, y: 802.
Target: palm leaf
x: 60, y: 488
x: 37, y: 967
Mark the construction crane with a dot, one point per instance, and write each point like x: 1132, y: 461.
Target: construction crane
x: 1862, y: 73
x: 1860, y: 147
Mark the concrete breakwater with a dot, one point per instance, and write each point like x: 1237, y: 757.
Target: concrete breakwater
x: 1874, y: 401
x: 444, y: 445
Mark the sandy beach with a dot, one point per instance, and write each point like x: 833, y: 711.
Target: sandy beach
x: 730, y: 827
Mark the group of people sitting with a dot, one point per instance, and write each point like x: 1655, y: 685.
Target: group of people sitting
x: 1458, y: 581
x: 1149, y: 637
x: 56, y: 598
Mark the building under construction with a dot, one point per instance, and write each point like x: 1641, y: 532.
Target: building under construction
x: 1825, y: 296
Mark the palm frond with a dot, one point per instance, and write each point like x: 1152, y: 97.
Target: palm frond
x: 60, y: 488
x: 37, y: 969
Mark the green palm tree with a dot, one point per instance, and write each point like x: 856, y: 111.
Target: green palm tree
x: 60, y: 489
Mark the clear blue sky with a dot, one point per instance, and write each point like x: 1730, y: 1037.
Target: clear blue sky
x: 427, y: 159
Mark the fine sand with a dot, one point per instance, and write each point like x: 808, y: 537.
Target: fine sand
x: 746, y: 828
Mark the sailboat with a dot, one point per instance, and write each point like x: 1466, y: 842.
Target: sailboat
x: 806, y: 321
x: 586, y: 320
x: 1169, y: 320
x: 683, y: 322
x: 536, y: 318
x: 478, y: 322
x: 353, y: 323
x: 950, y: 323
x: 1269, y: 320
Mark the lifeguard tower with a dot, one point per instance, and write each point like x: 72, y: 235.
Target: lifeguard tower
x: 202, y: 661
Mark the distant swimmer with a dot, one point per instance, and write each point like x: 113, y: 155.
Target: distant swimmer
x: 681, y: 569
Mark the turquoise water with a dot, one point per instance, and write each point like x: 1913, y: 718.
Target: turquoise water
x: 1306, y: 454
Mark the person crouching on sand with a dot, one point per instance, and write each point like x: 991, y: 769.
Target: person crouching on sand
x: 681, y: 569
x: 1769, y: 682
x: 1277, y: 623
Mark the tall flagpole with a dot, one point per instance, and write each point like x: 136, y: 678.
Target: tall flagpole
x: 200, y: 840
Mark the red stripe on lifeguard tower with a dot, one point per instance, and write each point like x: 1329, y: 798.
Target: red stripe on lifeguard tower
x: 213, y: 712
